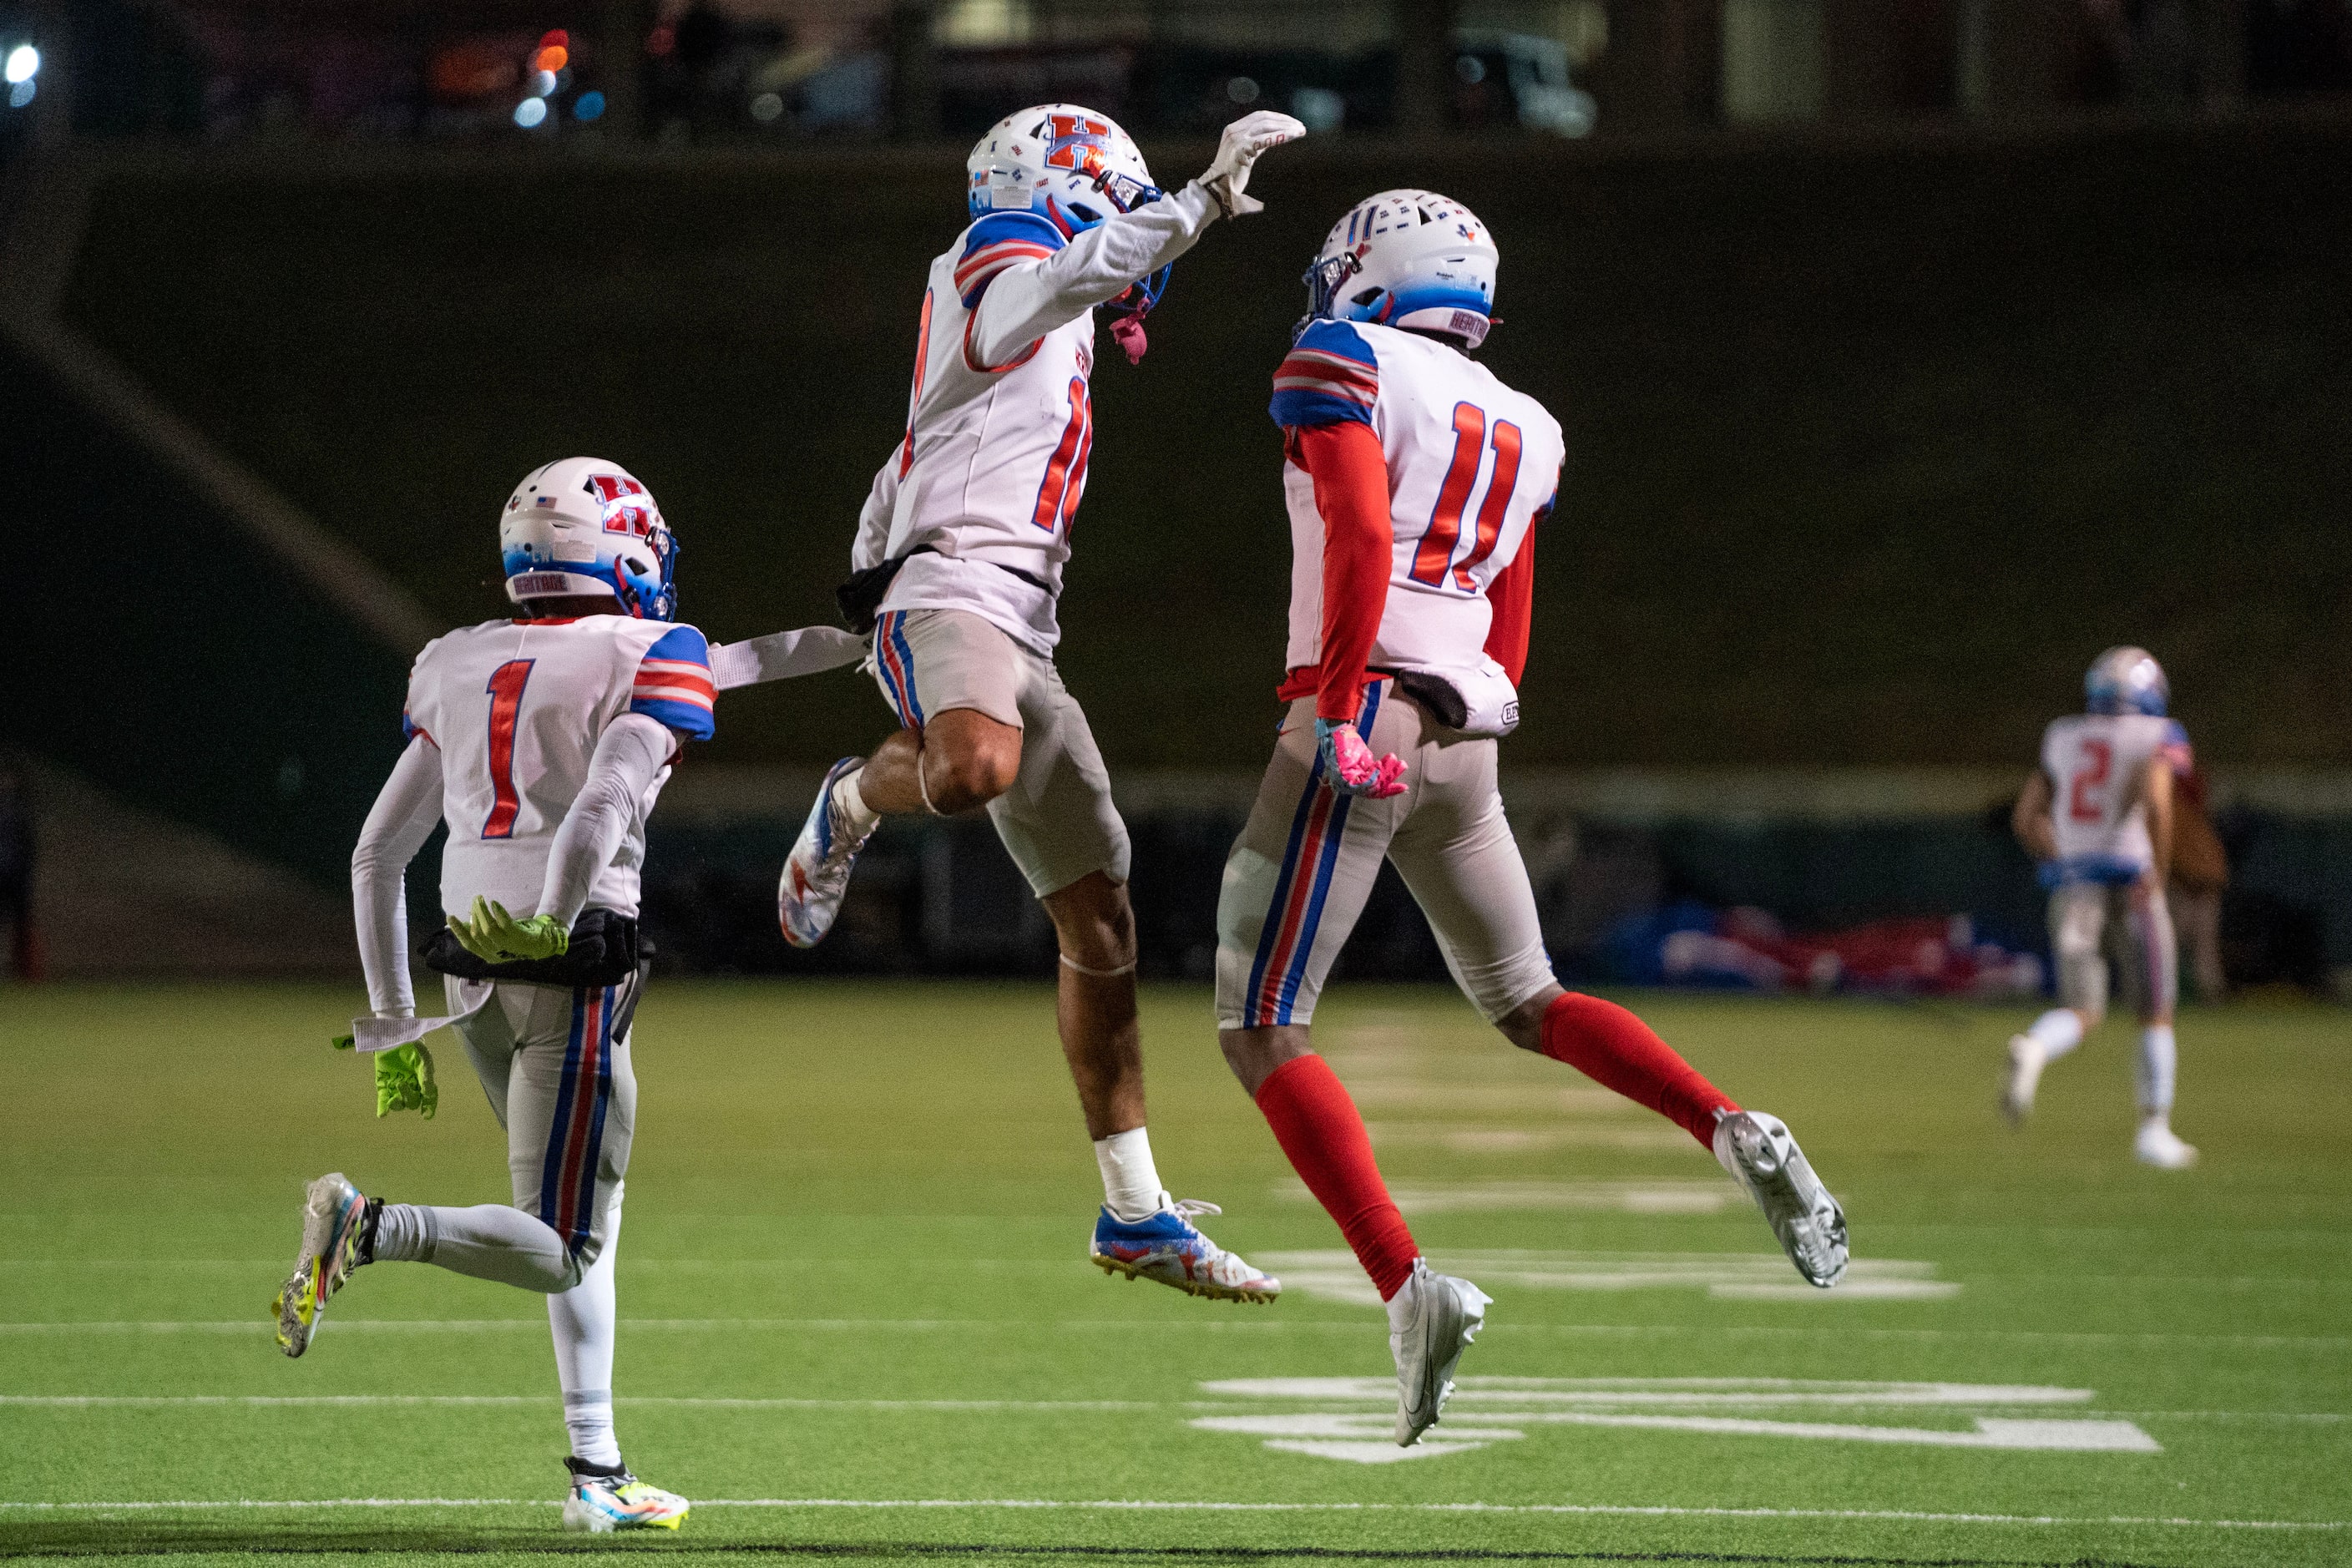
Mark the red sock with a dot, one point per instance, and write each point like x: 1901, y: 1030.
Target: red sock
x: 1317, y: 1124
x: 1611, y: 1046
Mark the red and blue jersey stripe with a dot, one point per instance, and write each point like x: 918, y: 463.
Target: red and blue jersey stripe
x: 997, y: 242
x: 1328, y: 377
x: 673, y: 683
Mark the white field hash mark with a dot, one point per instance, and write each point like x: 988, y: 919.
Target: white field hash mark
x: 1486, y: 1410
x: 1148, y: 1505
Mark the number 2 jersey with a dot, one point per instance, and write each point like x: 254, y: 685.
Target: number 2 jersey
x: 516, y: 708
x: 1470, y: 464
x: 2094, y: 761
x: 1000, y: 429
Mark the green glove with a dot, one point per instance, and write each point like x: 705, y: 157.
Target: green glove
x: 495, y: 936
x: 403, y: 1079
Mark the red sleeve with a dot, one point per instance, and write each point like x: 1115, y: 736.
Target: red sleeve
x: 1351, y: 492
x: 1512, y: 593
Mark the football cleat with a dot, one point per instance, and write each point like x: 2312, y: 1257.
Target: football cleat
x: 334, y: 1218
x: 1433, y: 1318
x: 2026, y: 1060
x: 2159, y: 1145
x: 1761, y: 1156
x: 817, y: 873
x: 600, y: 1502
x: 1165, y: 1245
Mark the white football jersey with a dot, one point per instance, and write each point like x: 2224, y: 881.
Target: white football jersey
x: 1471, y: 462
x: 2094, y: 761
x: 516, y: 708
x: 987, y: 480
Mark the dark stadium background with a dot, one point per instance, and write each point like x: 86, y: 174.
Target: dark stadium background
x: 1894, y: 393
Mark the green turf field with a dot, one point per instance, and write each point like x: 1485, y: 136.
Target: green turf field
x: 857, y: 1319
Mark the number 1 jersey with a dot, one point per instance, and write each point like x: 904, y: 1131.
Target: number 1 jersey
x: 516, y: 708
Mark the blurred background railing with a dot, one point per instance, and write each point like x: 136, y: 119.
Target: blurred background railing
x: 761, y: 71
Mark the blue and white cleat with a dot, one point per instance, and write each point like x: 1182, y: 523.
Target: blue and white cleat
x: 1166, y: 1247
x: 602, y: 1501
x: 334, y: 1220
x: 817, y: 873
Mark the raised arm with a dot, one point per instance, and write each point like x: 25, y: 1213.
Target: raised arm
x: 1019, y: 287
x: 1031, y: 293
x: 632, y: 750
x: 406, y: 811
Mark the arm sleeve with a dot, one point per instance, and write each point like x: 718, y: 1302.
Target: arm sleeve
x: 1513, y: 595
x: 1020, y: 282
x: 672, y: 684
x: 1351, y: 493
x: 397, y: 826
x: 631, y: 752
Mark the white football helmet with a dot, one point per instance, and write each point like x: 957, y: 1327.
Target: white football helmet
x: 2127, y: 680
x: 1408, y: 258
x: 1066, y: 164
x: 585, y: 526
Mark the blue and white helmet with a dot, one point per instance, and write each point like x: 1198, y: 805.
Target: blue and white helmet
x: 585, y: 526
x: 1407, y: 259
x: 1071, y: 166
x: 2125, y: 680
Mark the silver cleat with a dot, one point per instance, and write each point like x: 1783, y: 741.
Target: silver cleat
x: 1432, y: 1320
x: 1762, y: 1157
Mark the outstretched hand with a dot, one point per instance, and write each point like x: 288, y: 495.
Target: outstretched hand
x: 1348, y: 765
x: 1238, y: 149
x: 494, y: 936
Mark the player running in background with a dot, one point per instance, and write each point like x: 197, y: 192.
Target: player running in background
x: 1414, y: 481
x: 2097, y: 815
x: 542, y: 740
x: 961, y: 549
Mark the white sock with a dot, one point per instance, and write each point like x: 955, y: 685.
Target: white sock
x: 858, y: 817
x: 2057, y: 1032
x: 582, y: 1320
x: 2156, y: 1060
x: 488, y: 1241
x: 1131, y: 1182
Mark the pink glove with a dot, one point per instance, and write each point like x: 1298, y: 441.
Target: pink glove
x: 1348, y: 765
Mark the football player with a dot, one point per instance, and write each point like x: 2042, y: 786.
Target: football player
x: 2097, y: 815
x: 959, y: 561
x: 1414, y: 479
x: 542, y: 740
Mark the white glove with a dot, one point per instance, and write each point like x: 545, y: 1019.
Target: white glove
x: 1243, y: 140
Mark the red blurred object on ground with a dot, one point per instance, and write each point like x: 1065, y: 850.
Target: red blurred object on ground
x: 1927, y: 957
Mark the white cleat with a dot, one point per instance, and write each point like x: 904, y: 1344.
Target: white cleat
x: 2027, y: 1058
x: 1166, y: 1246
x: 1762, y: 1157
x: 598, y: 1503
x: 2159, y: 1145
x: 1432, y: 1320
x: 817, y: 873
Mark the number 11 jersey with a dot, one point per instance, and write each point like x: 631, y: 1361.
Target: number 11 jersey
x: 516, y: 708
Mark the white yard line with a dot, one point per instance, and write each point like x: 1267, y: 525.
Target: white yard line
x: 1141, y: 1505
x: 1211, y: 1325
